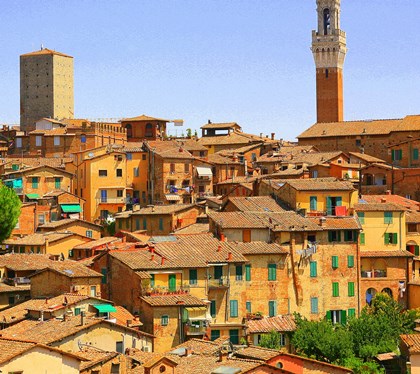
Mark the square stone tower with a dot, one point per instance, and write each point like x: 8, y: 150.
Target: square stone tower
x: 46, y: 87
x: 329, y: 50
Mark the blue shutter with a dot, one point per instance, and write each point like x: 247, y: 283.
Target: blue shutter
x: 314, y: 305
x: 313, y: 269
x: 272, y: 308
x: 313, y: 203
x: 234, y: 308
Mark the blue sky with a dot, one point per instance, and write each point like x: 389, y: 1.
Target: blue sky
x: 247, y: 61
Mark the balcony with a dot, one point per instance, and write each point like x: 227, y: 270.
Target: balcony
x: 376, y: 273
x: 17, y: 281
x: 195, y: 328
x: 222, y: 282
x: 114, y: 200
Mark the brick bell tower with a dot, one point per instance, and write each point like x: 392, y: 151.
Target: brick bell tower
x: 329, y: 50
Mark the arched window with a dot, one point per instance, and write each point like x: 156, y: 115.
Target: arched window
x: 370, y: 294
x: 83, y: 138
x: 129, y: 130
x: 149, y: 130
x: 327, y: 21
x: 388, y: 291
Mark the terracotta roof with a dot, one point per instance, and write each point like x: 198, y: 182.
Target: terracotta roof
x: 259, y: 353
x: 173, y: 300
x: 412, y: 342
x: 200, y: 346
x: 234, y: 138
x: 122, y: 316
x: 67, y: 221
x: 4, y: 288
x: 386, y: 253
x: 277, y: 221
x: 255, y: 204
x: 395, y: 199
x: 143, y: 117
x: 243, y: 180
x: 29, y: 162
x: 131, y: 147
x: 52, y: 330
x: 29, y: 169
x: 378, y: 207
x: 356, y: 128
x: 157, y: 209
x: 70, y: 269
x: 337, y: 223
x: 366, y: 157
x: 98, y: 242
x: 267, y: 324
x: 39, y: 239
x: 320, y: 184
x: 287, y: 172
x: 312, y: 158
x: 185, y: 252
x: 169, y: 150
x: 22, y: 262
x: 257, y: 248
x: 195, y: 228
x: 240, y: 150
x: 190, y: 145
x: 45, y: 51
x: 221, y: 125
x: 94, y: 356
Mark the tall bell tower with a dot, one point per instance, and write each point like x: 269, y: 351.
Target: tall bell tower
x: 329, y: 50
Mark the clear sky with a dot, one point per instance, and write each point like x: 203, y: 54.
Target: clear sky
x: 245, y: 61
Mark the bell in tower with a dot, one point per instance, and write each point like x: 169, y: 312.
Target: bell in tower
x: 329, y: 50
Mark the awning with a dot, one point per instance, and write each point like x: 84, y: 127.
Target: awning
x: 32, y: 196
x: 105, y: 308
x: 71, y: 208
x: 173, y: 197
x: 197, y: 308
x: 203, y: 171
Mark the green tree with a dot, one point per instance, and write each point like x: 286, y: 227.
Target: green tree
x: 271, y: 340
x: 322, y: 341
x: 9, y: 211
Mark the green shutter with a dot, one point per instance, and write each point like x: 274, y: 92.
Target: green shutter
x: 361, y: 216
x: 338, y: 201
x: 387, y: 217
x: 152, y: 280
x: 339, y: 236
x: 386, y: 238
x: 393, y: 155
x: 77, y: 311
x: 334, y: 262
x: 313, y: 203
x: 247, y: 272
x: 193, y: 276
x: 362, y: 238
x: 214, y: 334
x: 172, y: 282
x: 213, y: 308
x: 234, y: 308
x: 400, y: 154
x: 350, y: 261
x: 272, y: 272
x: 415, y: 154
x: 161, y: 224
x: 144, y: 223
x: 394, y: 238
x: 328, y: 315
x: 330, y: 236
x: 314, y: 305
x: 104, y: 275
x: 137, y: 224
x: 335, y: 289
x: 416, y: 250
x: 57, y: 182
x: 238, y: 272
x: 329, y: 206
x: 248, y: 307
x: 313, y: 269
x: 272, y: 308
x: 346, y: 235
x: 343, y: 317
x: 351, y: 288
x: 351, y: 313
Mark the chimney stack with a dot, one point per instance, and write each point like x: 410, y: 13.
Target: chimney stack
x: 162, y: 262
x: 223, y: 356
x: 273, y: 134
x: 229, y: 258
x: 322, y: 221
x: 82, y: 315
x: 219, y: 248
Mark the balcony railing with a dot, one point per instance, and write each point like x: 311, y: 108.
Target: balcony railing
x: 114, y: 200
x: 17, y: 281
x: 195, y: 330
x: 222, y: 282
x: 377, y: 273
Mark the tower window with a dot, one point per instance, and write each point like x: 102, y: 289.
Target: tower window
x: 327, y: 21
x: 326, y: 73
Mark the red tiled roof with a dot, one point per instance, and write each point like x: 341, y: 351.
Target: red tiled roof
x: 320, y: 184
x: 386, y: 253
x: 378, y: 207
x: 255, y: 204
x: 337, y: 223
x: 277, y: 323
x: 143, y: 117
x: 45, y: 51
x: 412, y: 342
x: 257, y: 248
x: 173, y: 300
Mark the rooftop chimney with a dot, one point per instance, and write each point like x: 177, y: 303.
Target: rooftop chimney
x: 223, y: 355
x: 388, y: 192
x: 219, y: 248
x: 322, y: 221
x: 152, y: 257
x: 383, y: 200
x: 82, y: 320
x: 229, y: 258
x: 273, y: 134
x: 162, y: 262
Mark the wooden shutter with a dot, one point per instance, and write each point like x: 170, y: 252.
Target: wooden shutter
x: 248, y: 272
x: 350, y: 261
x: 328, y: 315
x: 351, y: 289
x: 386, y: 238
x: 313, y: 269
x: 313, y: 203
x: 362, y: 238
x: 416, y: 250
x: 343, y: 317
x: 394, y: 238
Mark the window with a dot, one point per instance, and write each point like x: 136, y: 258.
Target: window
x: 327, y: 21
x: 41, y: 219
x: 18, y: 142
x: 129, y: 156
x: 152, y: 280
x: 186, y: 168
x: 172, y: 168
x: 350, y: 261
x: 337, y: 316
x: 38, y: 141
x: 350, y: 287
x: 387, y: 217
x: 238, y: 272
x: 143, y: 156
x: 144, y: 223
x: 119, y: 347
x: 415, y: 154
x: 11, y: 300
x: 161, y: 224
x: 149, y: 130
x: 104, y: 275
x: 351, y: 312
x: 334, y: 236
x: 193, y: 276
x: 35, y: 181
x: 103, y: 173
x: 248, y: 307
x: 313, y: 203
x: 234, y: 336
x: 136, y: 172
x: 362, y: 238
x: 213, y: 308
x: 104, y: 196
x: 358, y: 142
x: 272, y: 308
x: 272, y: 272
x: 77, y: 311
x: 89, y: 233
x: 83, y: 139
x: 335, y: 289
x: 314, y: 305
x: 218, y: 272
x: 313, y: 269
x: 390, y: 238
x: 412, y: 227
x: 361, y: 216
x: 215, y: 334
x: 334, y: 262
x: 396, y: 154
x: 115, y: 368
x: 349, y: 235
x: 234, y: 308
x: 247, y: 272
x: 119, y: 193
x: 119, y: 173
x: 57, y: 183
x: 56, y: 141
x: 137, y: 224
x: 93, y: 291
x: 164, y: 320
x: 104, y: 213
